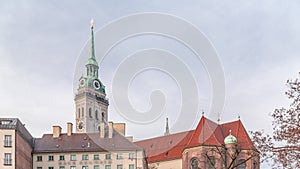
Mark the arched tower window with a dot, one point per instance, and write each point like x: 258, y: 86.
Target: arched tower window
x: 90, y: 113
x: 102, y: 116
x: 96, y: 114
x: 82, y: 112
x: 78, y: 112
x: 241, y: 164
x: 194, y: 163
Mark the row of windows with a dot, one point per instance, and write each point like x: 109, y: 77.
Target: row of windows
x: 119, y: 166
x: 7, y: 141
x: 85, y: 157
x: 81, y: 114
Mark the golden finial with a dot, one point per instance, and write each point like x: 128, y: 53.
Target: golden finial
x: 92, y: 23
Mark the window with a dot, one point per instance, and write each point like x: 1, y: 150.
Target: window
x: 119, y: 156
x: 102, y: 116
x: 194, y: 163
x: 131, y: 166
x: 107, y: 156
x: 85, y: 157
x: 96, y: 114
x: 50, y: 158
x: 85, y: 167
x: 39, y: 158
x: 73, y: 167
x: 90, y: 113
x: 131, y: 155
x: 39, y: 167
x: 96, y: 167
x: 211, y: 161
x: 78, y: 112
x: 7, y: 159
x: 254, y: 166
x: 61, y: 157
x: 82, y: 112
x: 50, y: 167
x: 119, y: 166
x: 96, y: 156
x: 73, y: 157
x: 107, y: 167
x: 241, y: 164
x: 7, y: 141
x: 61, y: 167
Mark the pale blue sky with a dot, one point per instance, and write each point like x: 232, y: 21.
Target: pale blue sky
x: 40, y: 42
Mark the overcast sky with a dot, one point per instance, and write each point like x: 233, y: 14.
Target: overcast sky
x: 41, y: 43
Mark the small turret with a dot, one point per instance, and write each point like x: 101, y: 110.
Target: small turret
x: 230, y: 139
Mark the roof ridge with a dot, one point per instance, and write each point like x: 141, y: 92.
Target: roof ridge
x: 173, y: 134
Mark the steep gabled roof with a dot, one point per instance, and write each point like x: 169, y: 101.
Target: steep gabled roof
x: 207, y: 133
x: 238, y: 130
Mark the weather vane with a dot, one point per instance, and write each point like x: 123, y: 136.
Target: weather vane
x: 92, y: 23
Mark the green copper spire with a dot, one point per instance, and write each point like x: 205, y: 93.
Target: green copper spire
x: 92, y: 58
x: 91, y: 79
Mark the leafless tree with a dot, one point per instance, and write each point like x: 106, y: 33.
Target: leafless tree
x: 229, y: 157
x: 282, y: 147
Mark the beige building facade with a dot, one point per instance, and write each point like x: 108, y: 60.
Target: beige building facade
x: 87, y: 150
x: 16, y: 145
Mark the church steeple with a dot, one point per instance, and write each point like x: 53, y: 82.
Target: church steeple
x: 167, y: 132
x: 91, y: 102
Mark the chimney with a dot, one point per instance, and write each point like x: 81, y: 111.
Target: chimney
x: 110, y: 129
x: 120, y: 128
x: 56, y: 131
x: 130, y: 138
x: 102, y: 130
x: 69, y: 129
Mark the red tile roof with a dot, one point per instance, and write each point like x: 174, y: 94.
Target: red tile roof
x: 207, y: 133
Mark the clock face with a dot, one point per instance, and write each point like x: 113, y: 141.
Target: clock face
x: 82, y: 82
x: 80, y: 125
x: 96, y: 84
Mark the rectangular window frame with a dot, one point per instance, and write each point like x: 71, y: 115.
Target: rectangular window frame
x: 50, y: 158
x: 39, y: 158
x: 131, y: 166
x: 108, y: 156
x: 85, y: 157
x: 119, y: 156
x: 131, y: 156
x: 7, y: 159
x: 72, y: 158
x: 96, y: 157
x: 7, y: 140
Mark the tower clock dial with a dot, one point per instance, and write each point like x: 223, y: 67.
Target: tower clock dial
x: 96, y: 84
x: 82, y: 82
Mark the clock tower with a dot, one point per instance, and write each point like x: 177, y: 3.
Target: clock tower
x: 90, y: 100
